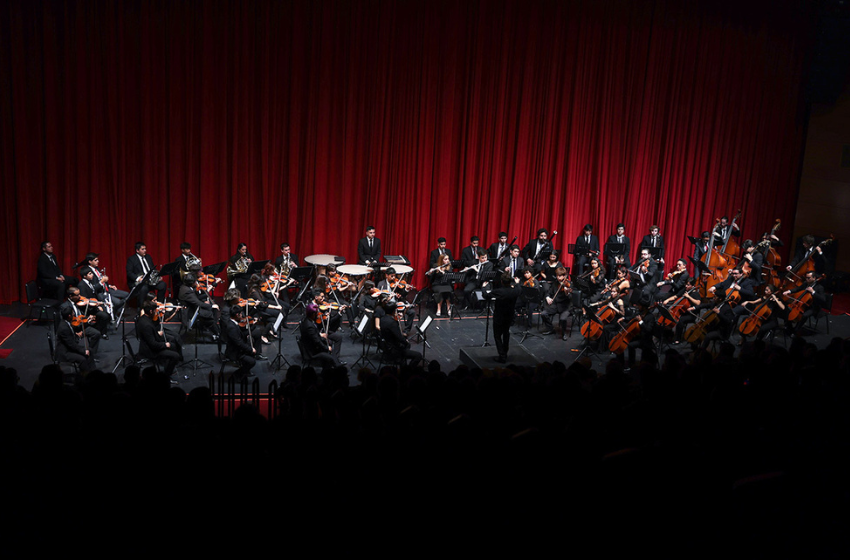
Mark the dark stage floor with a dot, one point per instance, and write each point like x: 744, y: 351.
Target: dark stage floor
x: 452, y: 342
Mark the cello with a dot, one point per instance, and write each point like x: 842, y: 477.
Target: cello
x: 592, y: 330
x: 751, y: 325
x: 796, y: 276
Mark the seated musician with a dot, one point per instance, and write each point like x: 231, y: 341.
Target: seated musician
x: 813, y: 287
x: 499, y: 250
x: 645, y: 277
x: 776, y: 307
x: 474, y: 279
x: 195, y: 301
x: 616, y: 303
x: 260, y: 292
x: 557, y: 303
x: 155, y: 343
x: 532, y: 299
x: 622, y: 283
x: 587, y: 247
x: 728, y: 310
x: 138, y: 265
x: 441, y: 286
x: 239, y: 346
x: 675, y: 280
x: 535, y: 250
x: 237, y: 269
x: 512, y: 263
x: 330, y: 314
x: 287, y: 260
x: 438, y: 252
x: 594, y: 280
x: 550, y: 266
x: 70, y: 344
x: 395, y: 344
x: 751, y: 259
x: 118, y: 297
x: 621, y: 255
x: 54, y: 284
x: 183, y: 261
x: 655, y: 241
x: 400, y: 289
x: 692, y: 304
x: 314, y: 340
x: 90, y: 288
x: 97, y: 318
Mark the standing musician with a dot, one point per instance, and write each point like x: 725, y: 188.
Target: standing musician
x: 441, y: 286
x: 390, y: 283
x: 753, y: 260
x: 813, y: 287
x: 155, y: 343
x: 118, y: 297
x: 90, y: 288
x: 806, y: 251
x: 655, y: 240
x: 314, y: 340
x: 500, y: 249
x: 723, y: 229
x: 557, y: 303
x: 512, y: 263
x: 83, y: 315
x: 369, y: 248
x: 237, y: 269
x: 396, y: 345
x: 587, y: 247
x: 537, y: 250
x: 503, y: 313
x: 675, y: 279
x: 439, y: 252
x: 703, y: 246
x: 469, y: 255
x: 71, y: 346
x: 138, y: 265
x: 49, y: 275
x: 195, y: 300
x: 239, y: 347
x: 616, y: 258
x: 474, y: 279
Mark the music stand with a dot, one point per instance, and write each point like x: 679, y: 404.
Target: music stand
x: 168, y: 270
x: 396, y: 259
x: 420, y: 333
x: 614, y: 250
x: 304, y: 275
x: 361, y: 328
x: 215, y: 270
x: 452, y: 278
x: 654, y: 252
x: 195, y: 362
x: 530, y: 295
x: 124, y: 341
x: 588, y: 347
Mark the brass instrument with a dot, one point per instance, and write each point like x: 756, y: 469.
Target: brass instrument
x: 191, y: 261
x: 239, y: 267
x: 153, y: 279
x: 285, y: 267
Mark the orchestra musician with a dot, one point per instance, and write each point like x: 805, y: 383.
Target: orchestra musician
x: 239, y: 347
x: 812, y: 286
x: 808, y: 250
x: 723, y: 229
x: 155, y: 343
x: 654, y: 240
x: 512, y: 263
x: 694, y: 305
x: 237, y: 268
x: 331, y: 322
x: 474, y: 279
x: 315, y: 341
x: 54, y: 284
x: 390, y: 283
x: 729, y: 311
x: 675, y: 279
x: 138, y: 265
x: 621, y: 256
x: 646, y: 275
x: 618, y: 305
x: 396, y: 345
x: 183, y: 261
x: 499, y: 249
x: 595, y: 280
x: 77, y: 308
x: 438, y: 252
x: 587, y: 247
x: 504, y: 312
x: 70, y: 345
x: 118, y: 297
x: 703, y: 246
x: 195, y: 300
x: 753, y: 258
x: 550, y: 266
x: 265, y: 306
x: 443, y: 289
x: 557, y: 303
x: 528, y: 281
x: 538, y: 249
x: 369, y: 248
x: 90, y: 288
x: 777, y: 308
x: 469, y: 255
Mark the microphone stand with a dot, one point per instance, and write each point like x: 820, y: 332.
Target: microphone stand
x: 124, y: 342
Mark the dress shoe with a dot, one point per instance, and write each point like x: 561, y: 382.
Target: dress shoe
x: 501, y: 359
x: 104, y: 336
x: 550, y: 331
x: 564, y: 336
x: 260, y: 357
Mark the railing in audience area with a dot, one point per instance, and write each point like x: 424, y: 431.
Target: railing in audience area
x: 228, y: 395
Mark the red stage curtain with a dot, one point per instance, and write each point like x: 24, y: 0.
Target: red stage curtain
x: 267, y: 121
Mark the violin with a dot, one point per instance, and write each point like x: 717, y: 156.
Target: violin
x: 401, y: 284
x: 80, y: 320
x: 246, y: 321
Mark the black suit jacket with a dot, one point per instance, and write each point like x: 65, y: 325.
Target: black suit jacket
x: 469, y: 255
x: 237, y: 346
x: 504, y: 309
x: 394, y: 341
x: 528, y: 252
x: 659, y: 242
x: 46, y: 269
x: 506, y: 262
x: 311, y: 338
x: 493, y: 251
x: 68, y: 342
x: 150, y: 341
x: 134, y: 268
x: 292, y: 257
x: 582, y: 247
x: 627, y: 250
x: 365, y: 254
x: 435, y: 255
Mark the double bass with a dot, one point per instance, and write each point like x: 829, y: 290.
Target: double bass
x: 772, y: 260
